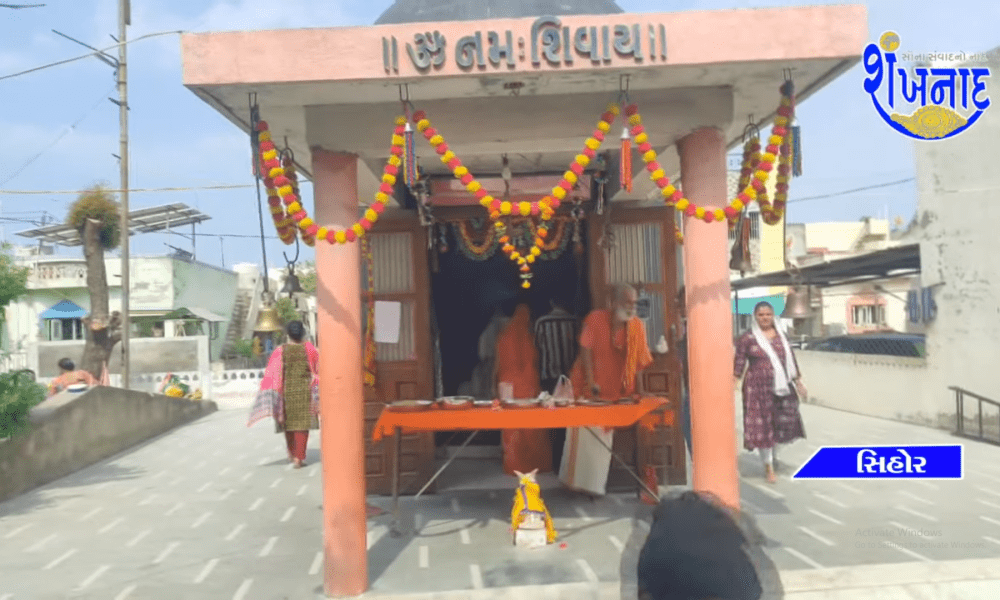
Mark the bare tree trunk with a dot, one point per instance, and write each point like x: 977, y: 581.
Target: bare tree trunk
x: 103, y: 330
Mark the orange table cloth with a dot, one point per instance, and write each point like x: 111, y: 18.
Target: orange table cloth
x: 472, y: 419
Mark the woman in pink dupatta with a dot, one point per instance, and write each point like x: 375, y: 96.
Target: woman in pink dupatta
x: 289, y: 392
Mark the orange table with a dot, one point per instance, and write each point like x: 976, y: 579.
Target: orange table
x: 648, y: 410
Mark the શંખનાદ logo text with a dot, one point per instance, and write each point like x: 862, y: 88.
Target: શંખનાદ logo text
x: 925, y: 102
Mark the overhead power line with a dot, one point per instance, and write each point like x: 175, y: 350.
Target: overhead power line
x: 96, y: 53
x: 854, y: 191
x: 131, y: 190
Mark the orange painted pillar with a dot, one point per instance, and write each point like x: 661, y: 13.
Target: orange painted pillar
x: 338, y: 295
x: 710, y: 323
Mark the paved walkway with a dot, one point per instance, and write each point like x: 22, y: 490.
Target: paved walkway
x: 212, y: 510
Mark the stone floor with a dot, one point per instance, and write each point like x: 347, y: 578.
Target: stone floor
x: 211, y: 510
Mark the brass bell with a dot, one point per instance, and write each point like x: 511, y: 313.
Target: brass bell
x: 796, y: 305
x: 740, y: 262
x: 267, y: 320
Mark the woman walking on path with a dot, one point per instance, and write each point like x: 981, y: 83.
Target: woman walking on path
x: 771, y: 388
x: 289, y: 392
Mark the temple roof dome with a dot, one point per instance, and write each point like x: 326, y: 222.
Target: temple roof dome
x: 433, y: 11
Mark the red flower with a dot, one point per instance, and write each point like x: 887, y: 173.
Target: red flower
x: 290, y: 198
x: 598, y: 135
x: 419, y: 116
x: 779, y: 131
x: 467, y: 179
x: 261, y: 125
x: 785, y: 111
x: 759, y: 185
x: 765, y: 166
x: 365, y: 223
x: 645, y: 147
x: 637, y: 130
x: 534, y: 209
x: 608, y: 117
x: 495, y: 205
x: 400, y: 130
x: 709, y: 216
x: 268, y: 182
x: 663, y: 182
x: 267, y: 146
x: 397, y: 151
x: 689, y: 211
x: 442, y: 148
x: 349, y: 234
x: 589, y: 153
x: 631, y: 109
x: 653, y: 166
x: 272, y: 201
x: 743, y: 198
x: 274, y: 163
x: 556, y: 203
x: 677, y: 197
x: 385, y: 188
x: 772, y: 148
x: 454, y: 164
x: 392, y: 170
x: 300, y: 215
x: 312, y: 230
x: 281, y: 181
x: 577, y: 168
x: 378, y: 207
x: 481, y: 193
x: 730, y: 212
x: 430, y: 132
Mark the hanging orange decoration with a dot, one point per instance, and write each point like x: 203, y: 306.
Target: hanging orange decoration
x: 625, y: 167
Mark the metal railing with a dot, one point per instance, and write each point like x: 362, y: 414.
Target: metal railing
x: 960, y: 428
x: 889, y: 345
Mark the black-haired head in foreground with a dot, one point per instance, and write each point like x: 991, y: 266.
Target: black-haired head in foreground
x: 296, y: 331
x: 67, y: 365
x: 696, y: 550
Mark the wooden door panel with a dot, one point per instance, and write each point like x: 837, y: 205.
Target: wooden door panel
x: 640, y: 250
x: 404, y: 369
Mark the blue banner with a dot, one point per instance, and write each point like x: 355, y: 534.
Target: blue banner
x: 884, y: 462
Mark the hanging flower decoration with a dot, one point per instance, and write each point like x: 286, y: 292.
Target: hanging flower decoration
x: 757, y: 186
x: 751, y: 158
x: 678, y: 234
x: 772, y: 215
x: 476, y: 250
x: 544, y: 208
x: 278, y: 179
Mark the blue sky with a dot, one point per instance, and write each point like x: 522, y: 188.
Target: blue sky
x: 177, y: 141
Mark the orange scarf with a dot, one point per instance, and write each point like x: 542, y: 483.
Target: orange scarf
x: 633, y: 343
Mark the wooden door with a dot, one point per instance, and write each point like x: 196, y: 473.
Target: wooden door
x: 404, y: 369
x: 638, y: 246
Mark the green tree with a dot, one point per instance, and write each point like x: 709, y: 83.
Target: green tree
x: 13, y: 279
x: 96, y: 215
x: 286, y: 311
x: 18, y: 395
x: 307, y: 277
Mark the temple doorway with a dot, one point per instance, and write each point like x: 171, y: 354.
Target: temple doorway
x: 474, y: 290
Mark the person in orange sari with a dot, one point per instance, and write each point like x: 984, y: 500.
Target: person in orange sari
x: 613, y: 353
x: 69, y: 375
x: 524, y: 450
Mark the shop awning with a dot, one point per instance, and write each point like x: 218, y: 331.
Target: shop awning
x: 64, y: 310
x: 893, y: 262
x: 194, y: 313
x: 745, y: 305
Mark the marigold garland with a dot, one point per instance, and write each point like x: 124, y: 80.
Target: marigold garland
x: 278, y: 179
x: 757, y: 186
x: 545, y: 208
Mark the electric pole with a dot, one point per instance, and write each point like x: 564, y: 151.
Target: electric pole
x: 124, y: 20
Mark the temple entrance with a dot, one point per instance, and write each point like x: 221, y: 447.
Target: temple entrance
x: 475, y: 289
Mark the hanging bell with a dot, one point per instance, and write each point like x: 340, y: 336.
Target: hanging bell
x: 796, y: 305
x: 292, y: 284
x: 267, y: 320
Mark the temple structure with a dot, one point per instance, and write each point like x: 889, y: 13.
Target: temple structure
x: 514, y: 88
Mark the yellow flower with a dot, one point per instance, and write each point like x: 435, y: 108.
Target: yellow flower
x: 340, y: 237
x: 535, y: 251
x: 521, y: 260
x: 275, y: 172
x: 649, y: 156
x: 699, y: 212
x: 381, y: 197
x: 768, y: 157
x: 524, y: 208
x: 371, y: 215
x: 658, y: 175
x: 514, y: 256
x: 781, y: 121
x: 397, y: 140
x: 390, y: 179
x: 270, y: 155
x: 285, y: 190
x: 642, y: 138
x: 277, y: 210
x: 683, y: 203
x: 720, y: 215
x: 669, y: 190
x: 400, y: 121
x: 306, y: 222
x: 485, y: 202
x: 604, y: 126
x: 570, y: 176
x: 294, y: 207
x: 526, y: 284
x: 358, y: 230
x: 272, y: 193
x: 448, y: 157
x: 775, y: 140
x: 785, y: 101
x: 437, y: 140
x: 559, y: 193
x: 762, y: 175
x: 613, y: 109
x: 582, y: 160
x: 634, y: 120
x: 264, y: 136
x: 461, y: 172
x: 322, y: 233
x: 395, y: 160
x: 592, y: 143
x: 738, y: 204
x: 474, y: 187
x: 530, y: 259
x: 423, y: 125
x: 505, y: 208
x: 499, y: 225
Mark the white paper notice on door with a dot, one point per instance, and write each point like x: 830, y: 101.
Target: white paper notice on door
x: 387, y: 321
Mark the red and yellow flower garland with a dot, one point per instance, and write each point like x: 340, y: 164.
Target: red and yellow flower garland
x: 675, y: 197
x: 278, y: 180
x: 545, y: 208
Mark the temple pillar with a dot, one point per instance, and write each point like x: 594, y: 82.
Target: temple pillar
x: 338, y: 296
x: 709, y: 318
